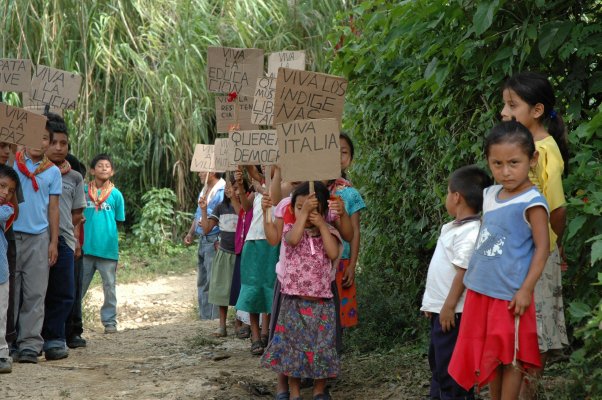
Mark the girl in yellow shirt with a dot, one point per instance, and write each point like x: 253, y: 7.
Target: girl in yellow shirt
x: 529, y: 99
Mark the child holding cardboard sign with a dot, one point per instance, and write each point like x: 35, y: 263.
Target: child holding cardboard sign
x: 307, y: 317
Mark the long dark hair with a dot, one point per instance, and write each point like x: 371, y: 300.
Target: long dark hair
x: 535, y: 88
x: 511, y: 132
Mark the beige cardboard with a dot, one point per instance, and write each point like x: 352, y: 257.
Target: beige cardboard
x: 285, y: 59
x: 15, y: 75
x: 309, y: 150
x: 235, y: 114
x: 221, y: 156
x: 21, y: 127
x: 308, y: 95
x: 231, y: 69
x: 256, y: 147
x: 263, y: 102
x: 203, y: 160
x: 59, y: 89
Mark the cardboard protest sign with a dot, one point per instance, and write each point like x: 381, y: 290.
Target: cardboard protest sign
x: 253, y: 147
x: 308, y: 95
x: 235, y: 114
x: 57, y: 88
x: 285, y: 59
x: 21, y: 127
x: 15, y: 75
x: 222, y: 163
x: 263, y: 102
x: 203, y: 159
x: 233, y: 70
x: 39, y: 109
x: 309, y: 150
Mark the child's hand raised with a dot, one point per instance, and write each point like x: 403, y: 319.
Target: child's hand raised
x: 521, y: 301
x: 337, y: 205
x: 310, y: 204
x: 316, y: 219
x: 203, y: 203
x: 266, y: 202
x: 238, y: 177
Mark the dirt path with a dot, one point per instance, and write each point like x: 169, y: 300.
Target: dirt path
x: 160, y: 352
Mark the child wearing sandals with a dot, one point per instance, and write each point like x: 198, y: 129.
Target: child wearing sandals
x: 529, y: 98
x: 303, y: 345
x: 222, y: 269
x: 498, y: 334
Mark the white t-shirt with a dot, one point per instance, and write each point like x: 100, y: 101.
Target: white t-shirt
x: 454, y: 248
x: 256, y: 231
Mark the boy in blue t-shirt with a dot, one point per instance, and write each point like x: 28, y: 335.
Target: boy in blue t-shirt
x: 36, y: 236
x: 105, y: 207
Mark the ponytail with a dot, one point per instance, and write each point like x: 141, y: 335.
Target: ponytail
x: 557, y: 129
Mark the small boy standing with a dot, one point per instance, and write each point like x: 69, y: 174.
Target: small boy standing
x: 36, y: 234
x: 105, y: 207
x: 61, y: 286
x: 443, y: 299
x: 9, y: 182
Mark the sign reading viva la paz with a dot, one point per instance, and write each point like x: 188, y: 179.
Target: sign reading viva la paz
x: 203, y: 159
x: 285, y: 59
x: 54, y: 87
x: 21, y: 127
x: 15, y: 75
x: 309, y: 150
x: 233, y: 70
x: 258, y: 147
x: 308, y: 95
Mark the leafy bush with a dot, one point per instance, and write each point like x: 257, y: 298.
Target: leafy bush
x: 425, y: 88
x: 160, y: 225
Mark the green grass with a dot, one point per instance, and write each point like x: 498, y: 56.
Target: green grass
x: 141, y: 263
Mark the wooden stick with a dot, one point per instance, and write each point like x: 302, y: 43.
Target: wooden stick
x: 268, y: 185
x: 311, y: 187
x: 204, y: 191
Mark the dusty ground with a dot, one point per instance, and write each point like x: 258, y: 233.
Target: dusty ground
x: 163, y: 352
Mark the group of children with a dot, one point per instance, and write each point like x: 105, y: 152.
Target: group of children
x: 43, y: 204
x: 493, y: 291
x: 286, y: 255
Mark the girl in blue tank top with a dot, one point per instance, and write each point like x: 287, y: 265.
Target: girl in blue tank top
x: 498, y: 335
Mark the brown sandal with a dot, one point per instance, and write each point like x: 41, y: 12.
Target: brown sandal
x: 257, y: 348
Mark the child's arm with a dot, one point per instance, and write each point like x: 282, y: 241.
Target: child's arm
x: 53, y: 227
x: 343, y: 224
x: 246, y: 202
x: 538, y: 219
x: 331, y: 245
x: 190, y: 235
x: 558, y: 222
x: 447, y: 316
x: 349, y: 276
x: 6, y: 211
x: 293, y: 237
x: 272, y: 229
x: 205, y: 223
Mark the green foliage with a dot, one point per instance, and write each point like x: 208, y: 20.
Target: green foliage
x: 160, y: 224
x: 586, y: 362
x: 425, y: 88
x: 144, y: 98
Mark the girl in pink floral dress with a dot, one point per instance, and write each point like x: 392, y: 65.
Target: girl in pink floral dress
x: 303, y: 345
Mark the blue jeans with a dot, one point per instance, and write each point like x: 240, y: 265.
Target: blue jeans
x: 206, y: 254
x: 107, y: 269
x: 59, y: 297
